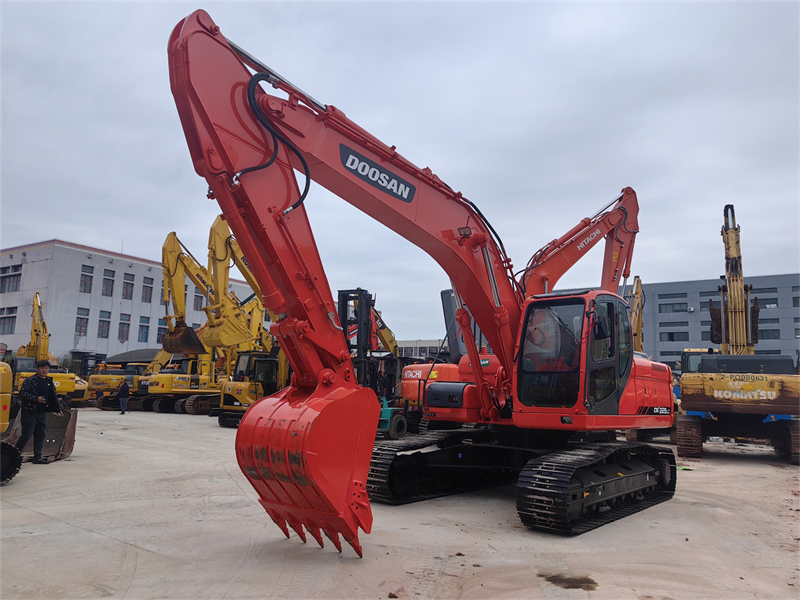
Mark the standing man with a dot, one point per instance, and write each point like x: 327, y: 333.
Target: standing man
x: 122, y: 395
x: 38, y: 394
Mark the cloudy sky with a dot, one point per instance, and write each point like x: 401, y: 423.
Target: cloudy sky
x: 540, y: 113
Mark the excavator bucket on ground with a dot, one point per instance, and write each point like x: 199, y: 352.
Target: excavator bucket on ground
x: 60, y: 439
x: 307, y: 456
x: 183, y: 340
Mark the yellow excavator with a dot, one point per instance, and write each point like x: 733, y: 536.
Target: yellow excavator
x: 60, y: 429
x: 257, y: 365
x: 23, y: 365
x: 187, y: 385
x: 736, y: 393
x: 106, y: 380
x: 231, y: 328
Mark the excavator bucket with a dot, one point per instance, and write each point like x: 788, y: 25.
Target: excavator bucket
x: 183, y: 340
x: 59, y: 441
x: 308, y: 455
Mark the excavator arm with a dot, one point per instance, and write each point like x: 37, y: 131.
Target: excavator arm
x: 177, y: 262
x: 39, y: 346
x: 616, y: 223
x: 636, y: 302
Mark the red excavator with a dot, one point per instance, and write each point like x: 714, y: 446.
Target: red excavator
x: 542, y: 409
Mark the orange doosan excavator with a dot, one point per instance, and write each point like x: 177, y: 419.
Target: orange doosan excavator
x: 541, y: 409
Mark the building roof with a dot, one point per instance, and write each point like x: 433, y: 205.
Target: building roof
x: 55, y: 242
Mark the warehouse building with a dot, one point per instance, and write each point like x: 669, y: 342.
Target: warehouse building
x: 97, y: 303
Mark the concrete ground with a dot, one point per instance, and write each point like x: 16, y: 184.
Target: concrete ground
x: 154, y: 506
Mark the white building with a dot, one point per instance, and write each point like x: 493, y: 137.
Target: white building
x: 97, y: 303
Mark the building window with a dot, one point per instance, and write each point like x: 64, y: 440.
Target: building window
x: 127, y: 290
x: 195, y: 325
x: 10, y: 283
x: 162, y: 331
x: 143, y: 332
x: 8, y: 310
x: 108, y: 273
x: 671, y: 296
x: 675, y: 307
x: 4, y: 270
x: 129, y: 277
x: 674, y: 324
x: 144, y: 320
x: 769, y: 321
x: 86, y: 283
x: 768, y: 351
x: 796, y: 301
x: 769, y: 334
x: 124, y: 331
x: 124, y: 317
x: 147, y: 289
x: 705, y: 323
x: 198, y: 303
x: 764, y: 291
x: 108, y: 287
x: 674, y: 336
x: 7, y: 325
x: 81, y: 325
x: 671, y: 353
x: 765, y: 302
x: 87, y: 269
x: 705, y: 336
x: 102, y: 328
x: 709, y: 294
x: 104, y: 324
x: 796, y: 334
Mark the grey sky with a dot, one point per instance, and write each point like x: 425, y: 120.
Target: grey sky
x: 539, y: 113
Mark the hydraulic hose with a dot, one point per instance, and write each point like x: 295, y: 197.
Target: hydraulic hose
x: 276, y: 135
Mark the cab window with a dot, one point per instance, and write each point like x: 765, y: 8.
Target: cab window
x: 550, y: 352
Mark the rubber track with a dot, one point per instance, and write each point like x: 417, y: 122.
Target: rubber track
x: 385, y: 452
x: 544, y: 482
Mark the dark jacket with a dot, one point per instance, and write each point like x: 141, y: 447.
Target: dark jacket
x: 124, y: 390
x: 29, y: 392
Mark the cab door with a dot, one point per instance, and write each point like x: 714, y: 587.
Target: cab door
x: 609, y: 356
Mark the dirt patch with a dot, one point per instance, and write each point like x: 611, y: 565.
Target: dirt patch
x: 571, y: 583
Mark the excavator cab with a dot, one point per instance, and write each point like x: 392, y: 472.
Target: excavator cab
x: 576, y: 347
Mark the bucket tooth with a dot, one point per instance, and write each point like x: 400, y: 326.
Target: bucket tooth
x: 298, y: 527
x: 315, y: 533
x: 279, y: 521
x: 353, y: 541
x: 333, y: 536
